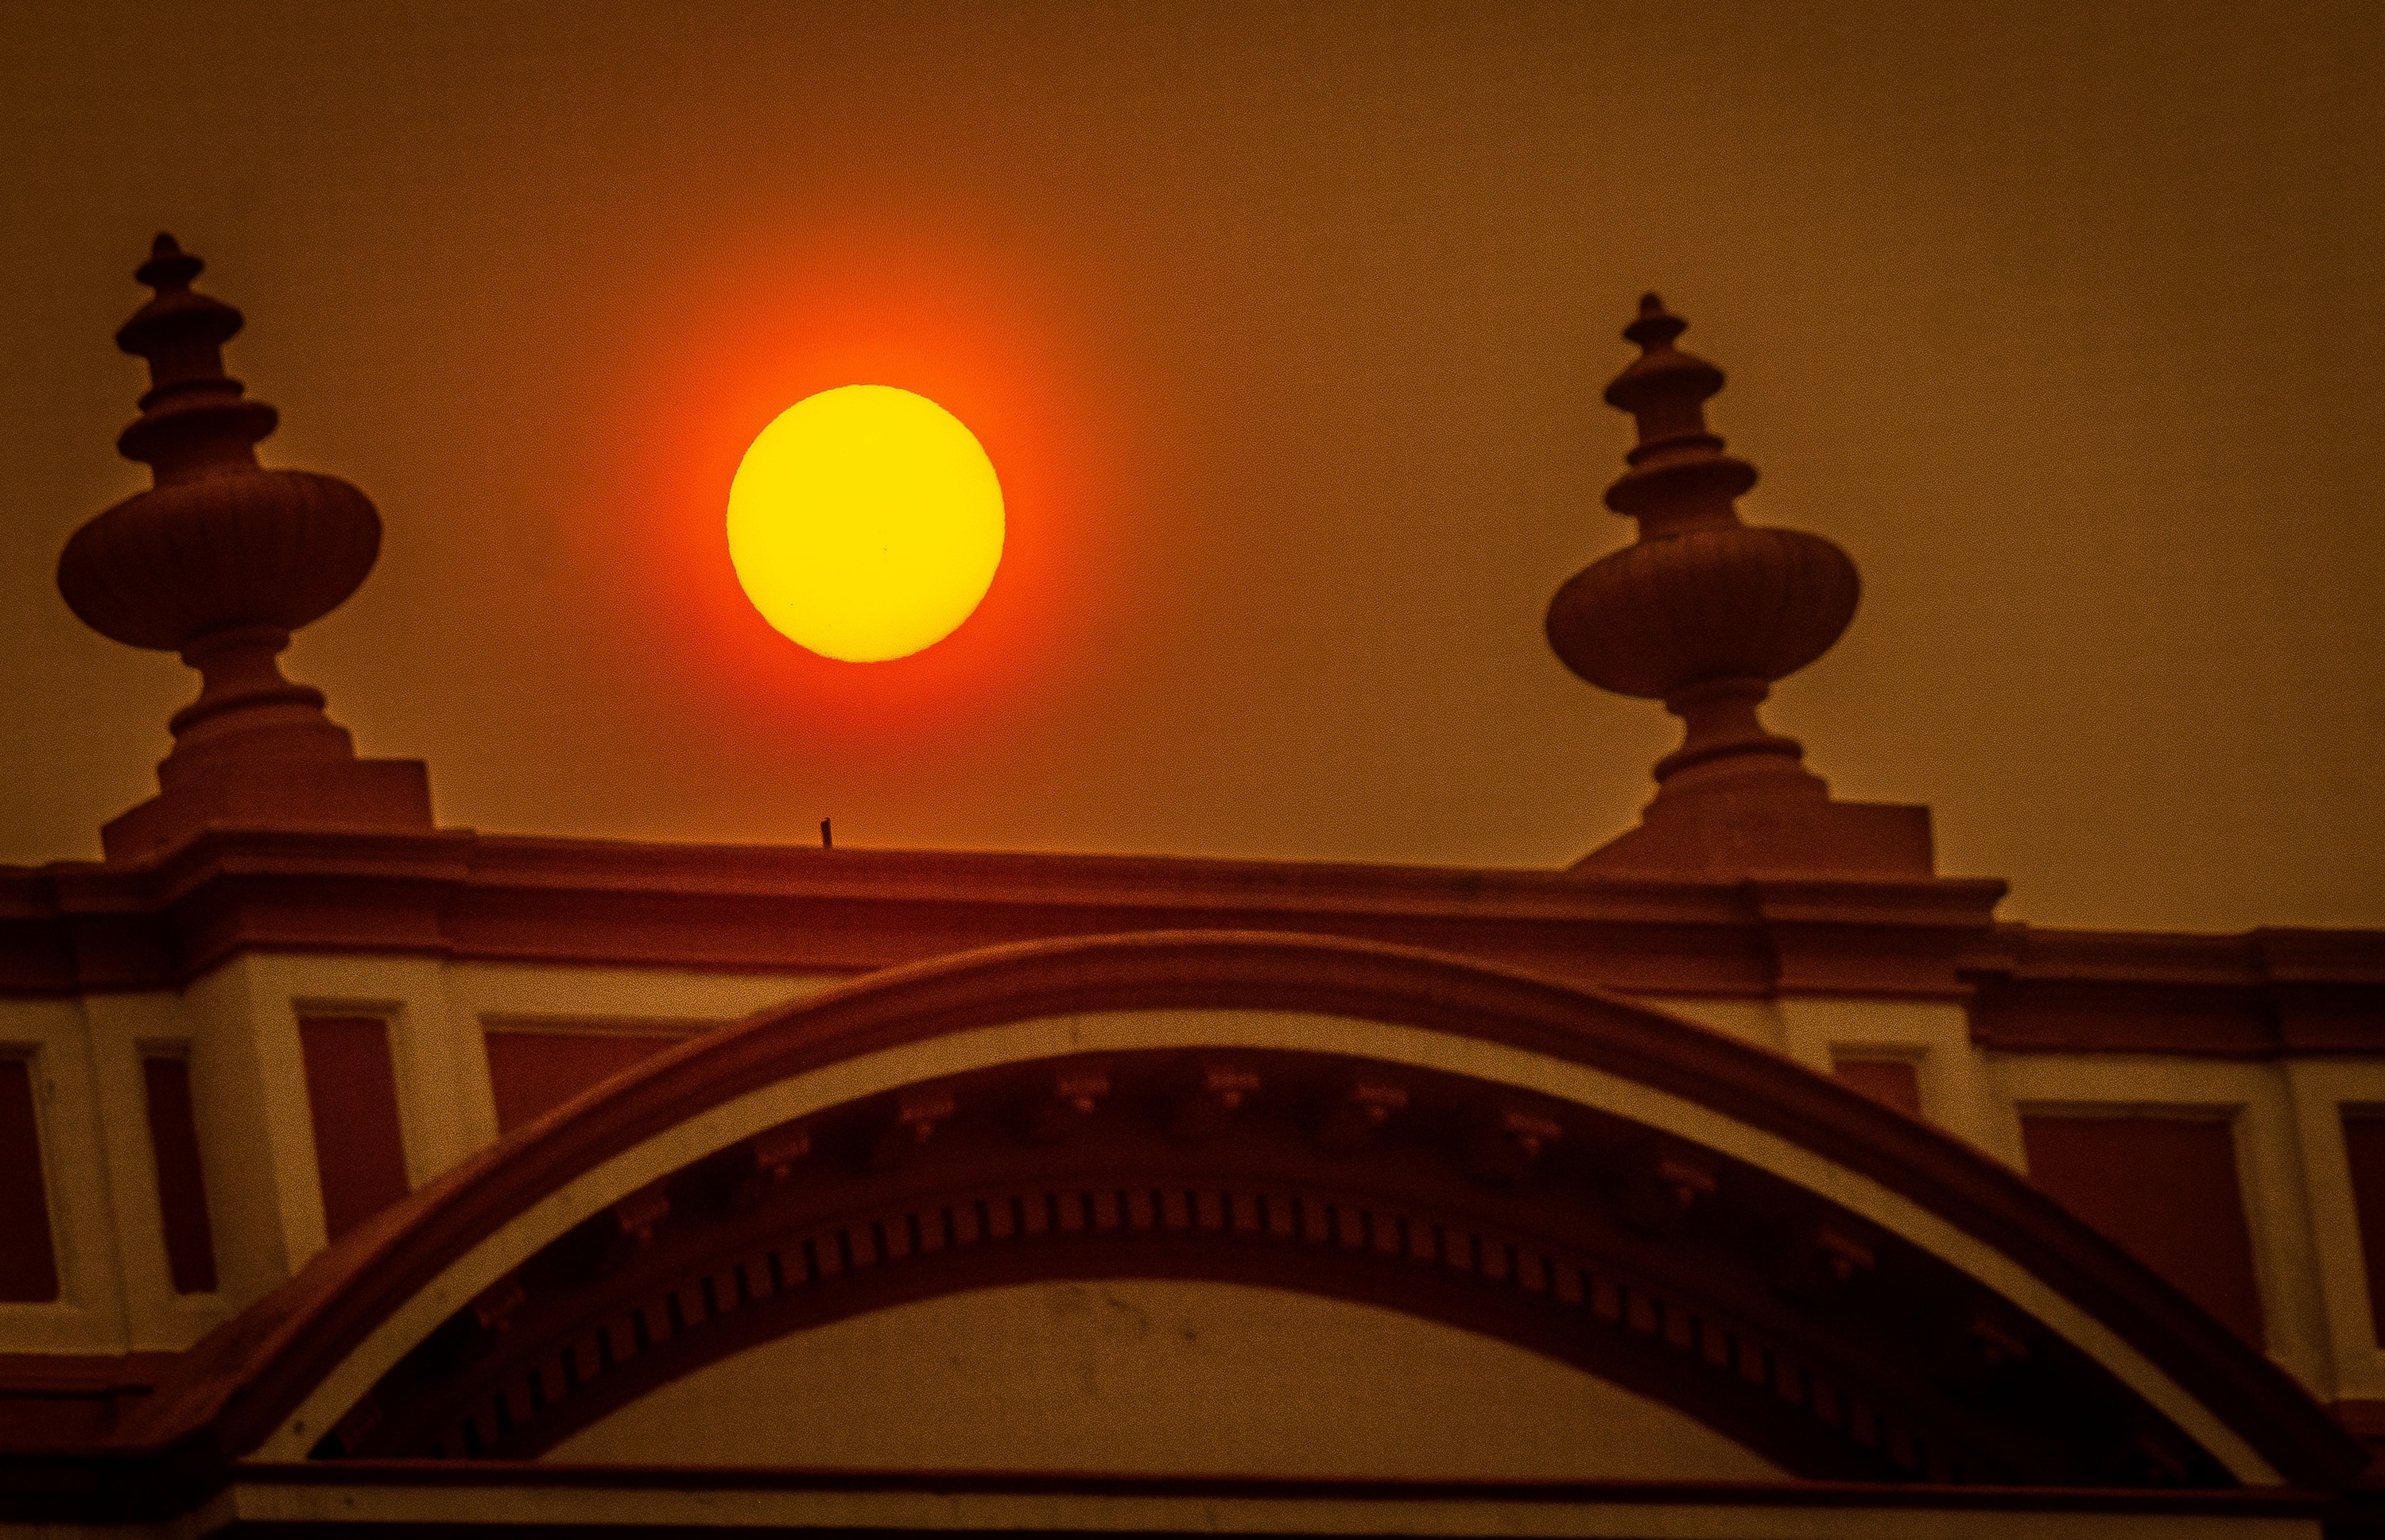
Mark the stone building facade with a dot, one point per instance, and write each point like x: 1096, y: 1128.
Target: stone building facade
x: 1748, y: 1177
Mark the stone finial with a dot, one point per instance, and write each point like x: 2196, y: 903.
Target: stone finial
x: 1704, y: 613
x: 220, y: 561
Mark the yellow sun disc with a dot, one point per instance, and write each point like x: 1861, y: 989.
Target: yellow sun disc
x: 865, y: 522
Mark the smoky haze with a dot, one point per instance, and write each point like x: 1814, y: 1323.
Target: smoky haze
x: 1285, y: 328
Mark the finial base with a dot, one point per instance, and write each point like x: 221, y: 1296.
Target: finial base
x: 386, y: 796
x: 1727, y: 836
x: 1724, y: 739
x: 256, y: 751
x: 1735, y: 799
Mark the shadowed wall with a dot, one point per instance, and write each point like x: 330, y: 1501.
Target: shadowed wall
x: 1144, y: 1375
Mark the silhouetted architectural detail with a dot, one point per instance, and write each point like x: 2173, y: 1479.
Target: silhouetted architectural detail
x: 220, y: 561
x: 1704, y: 613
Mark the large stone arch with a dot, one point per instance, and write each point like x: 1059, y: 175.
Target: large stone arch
x: 1846, y: 1292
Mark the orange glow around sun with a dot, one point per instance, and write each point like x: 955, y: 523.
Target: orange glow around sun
x: 734, y: 332
x: 864, y: 524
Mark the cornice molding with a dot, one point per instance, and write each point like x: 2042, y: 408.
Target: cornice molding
x: 80, y: 927
x: 2264, y: 994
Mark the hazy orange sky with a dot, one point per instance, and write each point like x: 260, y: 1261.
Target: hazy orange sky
x: 1284, y: 326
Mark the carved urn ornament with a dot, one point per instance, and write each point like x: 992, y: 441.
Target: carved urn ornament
x: 1704, y: 613
x: 220, y: 561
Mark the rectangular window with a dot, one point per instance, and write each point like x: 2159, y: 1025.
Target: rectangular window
x: 1892, y: 1081
x: 182, y: 1188
x: 2167, y: 1189
x: 351, y: 1092
x: 532, y: 1072
x: 2364, y: 1143
x: 29, y: 1267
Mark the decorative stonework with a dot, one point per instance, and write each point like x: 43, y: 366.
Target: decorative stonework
x: 1717, y: 1288
x: 1595, y: 1187
x: 1704, y: 613
x: 1737, y: 1253
x: 220, y: 561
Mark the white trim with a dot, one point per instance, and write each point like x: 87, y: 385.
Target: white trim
x: 2270, y: 1165
x: 850, y: 1080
